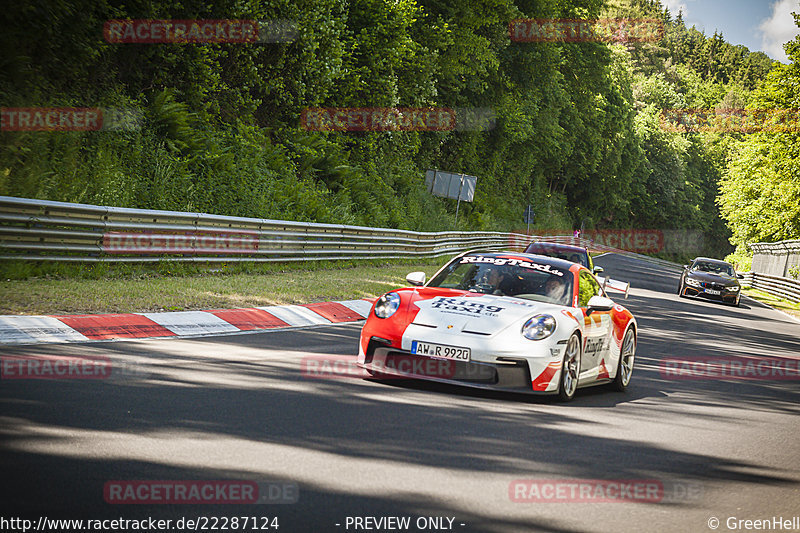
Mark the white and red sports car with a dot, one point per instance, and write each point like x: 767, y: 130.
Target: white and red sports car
x: 504, y: 320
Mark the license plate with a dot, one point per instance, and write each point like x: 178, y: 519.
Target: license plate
x: 713, y: 292
x: 440, y: 350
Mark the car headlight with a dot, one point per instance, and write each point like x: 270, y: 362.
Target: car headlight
x: 692, y: 282
x: 733, y: 289
x: 387, y: 305
x: 539, y: 327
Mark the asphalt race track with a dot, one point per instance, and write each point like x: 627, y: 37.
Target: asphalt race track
x: 240, y: 407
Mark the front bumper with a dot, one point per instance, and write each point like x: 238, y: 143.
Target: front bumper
x: 511, y: 374
x: 724, y: 296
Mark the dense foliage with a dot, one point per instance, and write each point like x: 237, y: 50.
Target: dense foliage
x: 761, y: 186
x: 577, y: 130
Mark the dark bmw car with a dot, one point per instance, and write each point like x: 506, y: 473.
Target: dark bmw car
x: 711, y: 278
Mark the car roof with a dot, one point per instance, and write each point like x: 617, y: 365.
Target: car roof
x: 709, y: 260
x: 541, y: 259
x: 562, y: 247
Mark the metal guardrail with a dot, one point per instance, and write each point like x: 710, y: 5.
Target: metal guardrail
x: 773, y: 263
x: 786, y: 288
x: 58, y: 231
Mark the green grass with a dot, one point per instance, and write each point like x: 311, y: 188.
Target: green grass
x: 786, y: 306
x: 128, y: 290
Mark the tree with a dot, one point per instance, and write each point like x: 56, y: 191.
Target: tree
x: 760, y: 192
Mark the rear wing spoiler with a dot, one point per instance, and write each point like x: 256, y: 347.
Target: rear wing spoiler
x: 614, y: 285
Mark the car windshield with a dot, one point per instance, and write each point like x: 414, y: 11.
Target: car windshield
x: 713, y: 268
x: 519, y: 278
x: 553, y: 251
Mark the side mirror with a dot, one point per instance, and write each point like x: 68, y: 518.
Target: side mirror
x: 740, y: 276
x: 686, y: 267
x: 416, y: 278
x: 599, y: 303
x: 597, y: 270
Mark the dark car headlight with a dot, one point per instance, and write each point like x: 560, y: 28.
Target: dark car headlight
x: 387, y: 305
x: 692, y: 282
x: 734, y: 288
x: 539, y: 327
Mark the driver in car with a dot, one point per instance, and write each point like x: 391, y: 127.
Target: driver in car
x: 493, y: 278
x: 555, y: 289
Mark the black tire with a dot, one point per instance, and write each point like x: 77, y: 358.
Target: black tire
x: 570, y: 369
x: 681, y: 286
x: 627, y: 357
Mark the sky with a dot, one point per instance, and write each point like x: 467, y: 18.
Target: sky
x: 758, y: 24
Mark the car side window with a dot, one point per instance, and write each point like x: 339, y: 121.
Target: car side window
x: 587, y: 288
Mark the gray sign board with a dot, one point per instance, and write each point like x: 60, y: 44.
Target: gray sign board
x: 429, y: 176
x: 528, y: 216
x: 450, y: 185
x: 468, y: 189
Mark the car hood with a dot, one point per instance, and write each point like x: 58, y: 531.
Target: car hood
x: 469, y: 312
x: 713, y: 278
